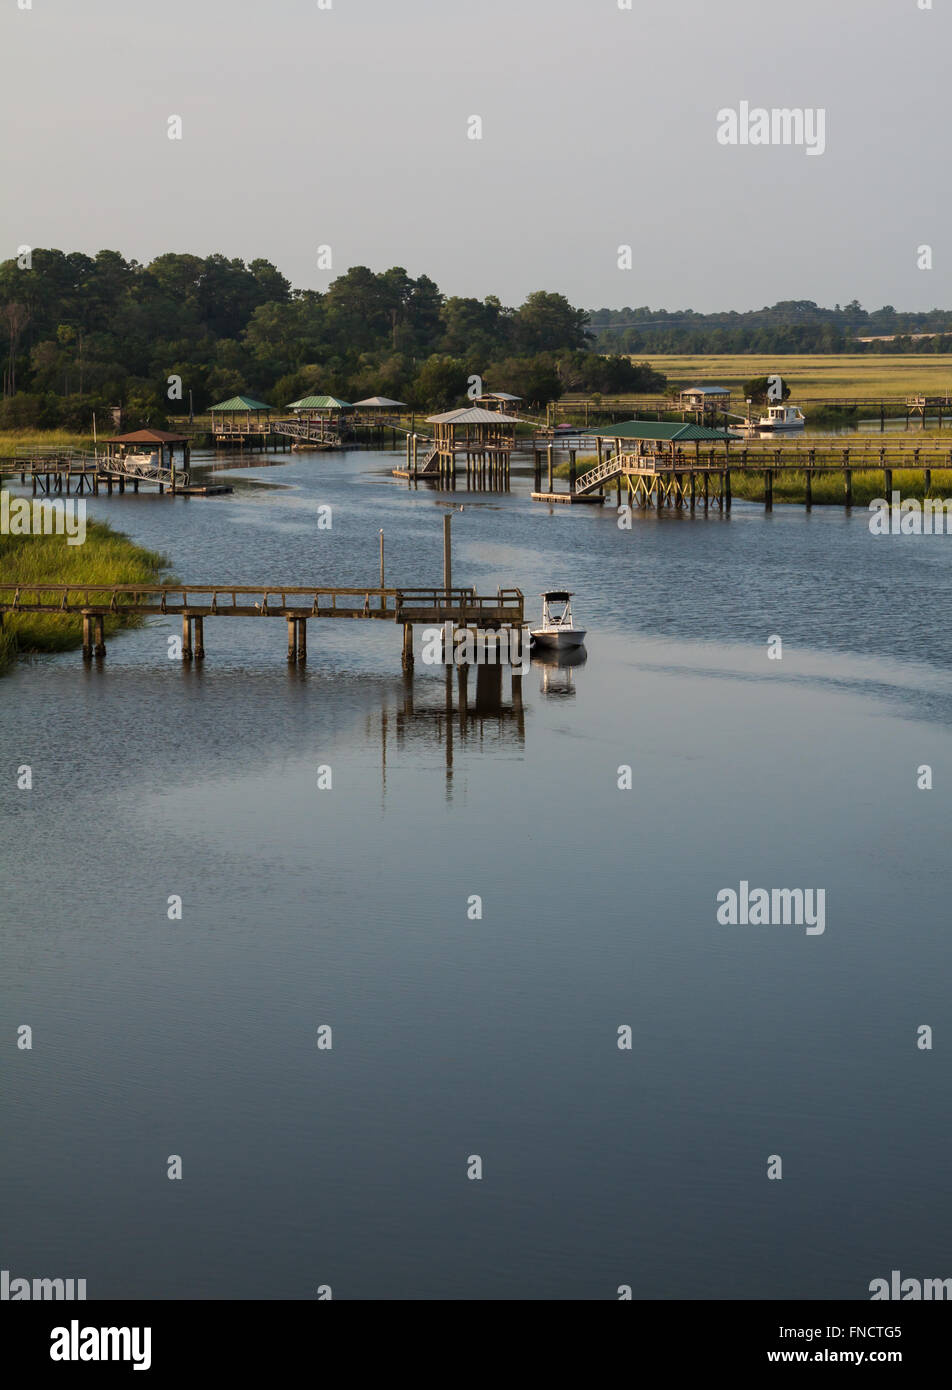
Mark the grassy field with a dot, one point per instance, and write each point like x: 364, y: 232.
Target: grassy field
x: 11, y: 440
x: 107, y: 557
x: 823, y: 377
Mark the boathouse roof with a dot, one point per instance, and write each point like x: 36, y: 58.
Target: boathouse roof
x: 147, y: 437
x: 320, y: 403
x: 497, y: 396
x: 379, y: 401
x: 241, y: 403
x: 706, y: 391
x: 472, y: 415
x: 655, y: 429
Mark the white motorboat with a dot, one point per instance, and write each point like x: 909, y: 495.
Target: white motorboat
x: 557, y: 629
x: 778, y: 417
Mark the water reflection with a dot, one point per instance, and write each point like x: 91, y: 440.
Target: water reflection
x: 454, y: 712
x: 556, y: 667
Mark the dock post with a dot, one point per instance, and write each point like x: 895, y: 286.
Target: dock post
x: 87, y: 636
x: 516, y: 681
x: 301, y: 641
x: 768, y: 490
x: 549, y: 463
x: 707, y: 499
x: 462, y: 679
x: 407, y: 661
x: 99, y: 636
x: 186, y: 637
x: 809, y: 489
x: 199, y: 628
x: 536, y: 470
x: 292, y: 640
x: 848, y: 478
x: 727, y: 488
x: 927, y: 481
x: 887, y: 484
x: 447, y: 557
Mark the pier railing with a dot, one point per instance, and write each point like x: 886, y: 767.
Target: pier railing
x: 461, y: 606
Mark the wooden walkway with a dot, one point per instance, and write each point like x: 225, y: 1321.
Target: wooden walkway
x: 60, y: 472
x: 678, y: 479
x: 432, y: 607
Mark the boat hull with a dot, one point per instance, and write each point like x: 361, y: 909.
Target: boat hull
x: 559, y: 640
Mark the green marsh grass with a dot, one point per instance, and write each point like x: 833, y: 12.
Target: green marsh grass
x: 106, y: 557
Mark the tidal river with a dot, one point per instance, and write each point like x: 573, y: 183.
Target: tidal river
x: 485, y: 911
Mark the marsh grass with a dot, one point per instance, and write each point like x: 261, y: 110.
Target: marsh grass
x: 11, y: 440
x: 106, y: 557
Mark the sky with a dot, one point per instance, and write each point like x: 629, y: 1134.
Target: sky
x: 349, y: 127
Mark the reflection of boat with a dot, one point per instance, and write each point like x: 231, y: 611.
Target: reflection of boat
x: 558, y: 669
x: 557, y: 629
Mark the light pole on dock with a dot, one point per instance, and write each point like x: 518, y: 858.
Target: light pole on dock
x: 381, y: 557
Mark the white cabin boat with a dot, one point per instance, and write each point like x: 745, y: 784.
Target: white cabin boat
x: 557, y: 629
x: 778, y: 417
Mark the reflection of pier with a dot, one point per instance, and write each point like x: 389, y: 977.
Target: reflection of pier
x: 456, y: 711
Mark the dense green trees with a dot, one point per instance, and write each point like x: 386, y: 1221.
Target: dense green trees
x: 793, y: 325
x: 81, y: 333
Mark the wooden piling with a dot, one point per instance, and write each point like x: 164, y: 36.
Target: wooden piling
x: 199, y: 630
x: 186, y: 637
x: 407, y: 661
x: 99, y: 636
x: 87, y: 637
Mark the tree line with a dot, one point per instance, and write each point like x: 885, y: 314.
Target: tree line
x: 80, y: 333
x: 790, y: 326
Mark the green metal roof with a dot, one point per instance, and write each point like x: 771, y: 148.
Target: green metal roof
x: 320, y: 403
x: 241, y: 403
x: 654, y: 429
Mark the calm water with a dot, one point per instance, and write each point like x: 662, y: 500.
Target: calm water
x: 494, y: 1037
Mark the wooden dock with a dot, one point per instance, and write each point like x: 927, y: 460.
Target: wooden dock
x: 61, y: 472
x: 408, y: 607
x: 675, y: 477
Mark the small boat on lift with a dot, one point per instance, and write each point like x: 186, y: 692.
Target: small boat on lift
x: 557, y: 629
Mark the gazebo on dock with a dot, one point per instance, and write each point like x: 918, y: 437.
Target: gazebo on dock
x: 328, y: 408
x: 662, y: 445
x: 159, y: 443
x: 227, y: 422
x: 377, y: 409
x: 497, y: 400
x: 706, y: 400
x: 485, y: 437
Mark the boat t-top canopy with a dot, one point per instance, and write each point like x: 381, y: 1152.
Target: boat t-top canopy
x: 556, y: 595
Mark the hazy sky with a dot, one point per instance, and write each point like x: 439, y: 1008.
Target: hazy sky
x: 347, y: 127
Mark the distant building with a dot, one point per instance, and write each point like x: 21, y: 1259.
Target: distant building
x: 496, y: 400
x: 705, y: 398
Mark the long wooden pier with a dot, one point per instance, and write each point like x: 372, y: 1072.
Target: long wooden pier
x: 62, y: 471
x: 432, y: 607
x: 679, y: 477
